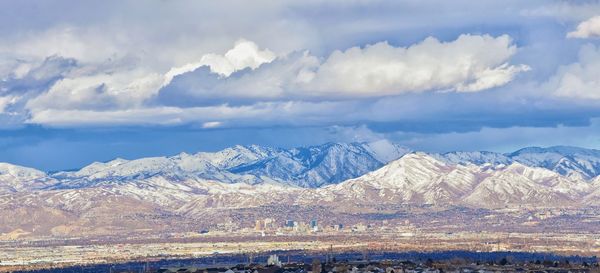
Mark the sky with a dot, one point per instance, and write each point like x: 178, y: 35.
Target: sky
x: 84, y: 81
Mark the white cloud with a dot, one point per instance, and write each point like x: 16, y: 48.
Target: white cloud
x: 245, y: 54
x: 587, y: 29
x: 470, y: 63
x: 121, y: 83
x: 467, y: 64
x: 86, y: 45
x: 131, y: 68
x: 7, y: 101
x: 95, y: 94
x: 360, y: 133
x: 212, y: 124
x: 284, y: 78
x: 565, y: 10
x: 274, y: 113
x: 580, y: 79
x: 133, y: 116
x: 123, y: 58
x: 492, y: 77
x: 116, y: 90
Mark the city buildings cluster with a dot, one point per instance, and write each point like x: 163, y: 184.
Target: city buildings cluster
x: 291, y: 225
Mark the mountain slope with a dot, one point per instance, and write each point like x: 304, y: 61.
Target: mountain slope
x: 561, y: 159
x: 164, y: 194
x: 315, y: 166
x: 15, y: 178
x: 419, y: 178
x: 311, y: 167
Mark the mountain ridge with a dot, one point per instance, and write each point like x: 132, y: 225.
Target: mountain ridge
x: 310, y: 167
x: 566, y: 160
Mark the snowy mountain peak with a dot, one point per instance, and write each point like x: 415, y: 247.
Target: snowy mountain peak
x: 562, y: 150
x: 420, y: 178
x: 418, y: 158
x: 16, y: 171
x: 14, y: 178
x: 478, y: 158
x: 569, y: 161
x: 330, y: 163
x: 411, y: 170
x: 336, y: 177
x: 312, y: 166
x: 384, y: 150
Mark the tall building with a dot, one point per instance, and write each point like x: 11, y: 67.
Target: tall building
x: 269, y: 223
x: 259, y: 225
x: 314, y: 225
x: 299, y: 226
x: 274, y: 260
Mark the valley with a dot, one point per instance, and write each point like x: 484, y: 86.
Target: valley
x: 240, y: 196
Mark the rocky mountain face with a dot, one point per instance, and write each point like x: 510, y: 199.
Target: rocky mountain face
x: 348, y: 179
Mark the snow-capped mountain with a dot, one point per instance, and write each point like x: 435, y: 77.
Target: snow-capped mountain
x: 321, y: 165
x: 242, y: 182
x: 418, y: 178
x: 15, y: 178
x: 311, y: 167
x: 308, y: 167
x: 561, y: 159
x: 477, y: 158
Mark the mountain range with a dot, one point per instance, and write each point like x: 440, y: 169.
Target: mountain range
x: 309, y: 167
x: 334, y: 178
x: 561, y: 159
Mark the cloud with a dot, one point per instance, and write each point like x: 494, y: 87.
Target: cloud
x: 580, y: 79
x: 565, y: 10
x: 245, y: 54
x: 427, y: 113
x: 125, y: 82
x: 300, y: 64
x: 26, y: 81
x: 470, y: 63
x: 587, y: 29
x: 359, y: 133
x: 211, y: 124
x: 84, y: 45
x: 289, y: 91
x: 247, y: 75
x: 110, y: 64
x: 6, y: 101
x: 502, y: 139
x: 284, y: 78
x: 98, y: 91
x: 258, y: 114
